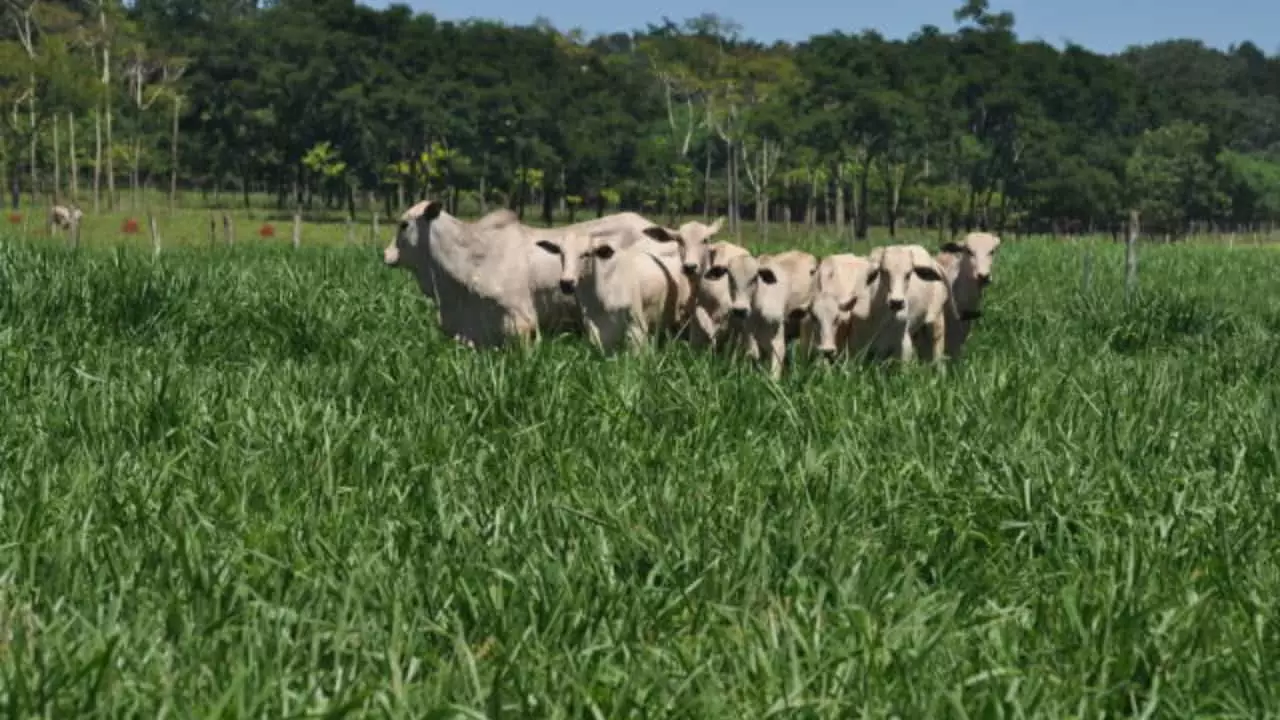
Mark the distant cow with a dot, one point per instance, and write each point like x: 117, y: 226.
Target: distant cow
x: 64, y: 218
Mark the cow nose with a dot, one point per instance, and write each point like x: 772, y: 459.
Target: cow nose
x: 567, y: 286
x: 738, y: 311
x: 828, y: 353
x: 390, y: 256
x: 984, y: 279
x: 690, y: 269
x: 897, y: 304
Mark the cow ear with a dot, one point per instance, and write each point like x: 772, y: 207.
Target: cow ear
x: 549, y: 247
x: 604, y: 251
x: 767, y: 276
x: 954, y: 248
x: 432, y: 210
x: 661, y: 234
x: 929, y: 274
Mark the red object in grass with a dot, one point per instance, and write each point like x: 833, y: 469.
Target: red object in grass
x: 267, y: 230
x: 129, y: 227
x: 14, y: 218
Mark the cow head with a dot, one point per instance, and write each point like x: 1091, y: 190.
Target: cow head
x: 572, y: 247
x: 409, y: 247
x: 843, y: 288
x: 896, y: 267
x: 692, y: 237
x: 976, y: 254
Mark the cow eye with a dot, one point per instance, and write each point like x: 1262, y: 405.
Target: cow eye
x: 716, y: 273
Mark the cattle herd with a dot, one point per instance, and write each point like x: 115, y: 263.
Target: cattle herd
x: 621, y: 278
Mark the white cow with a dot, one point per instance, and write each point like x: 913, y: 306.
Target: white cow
x: 712, y: 325
x: 911, y: 305
x: 843, y: 288
x: 967, y: 265
x: 477, y: 273
x: 772, y: 297
x: 694, y: 240
x: 556, y: 307
x: 629, y: 288
x: 64, y: 217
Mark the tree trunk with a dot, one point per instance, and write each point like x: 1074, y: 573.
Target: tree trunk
x: 106, y: 105
x: 811, y: 205
x: 839, y: 200
x: 173, y: 155
x: 57, y: 164
x: 860, y: 229
x: 75, y: 163
x: 706, y: 187
x: 97, y: 160
x: 35, y: 136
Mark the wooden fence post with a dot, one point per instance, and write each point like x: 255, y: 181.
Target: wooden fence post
x: 374, y: 231
x: 297, y: 228
x: 351, y: 233
x: 213, y: 230
x: 229, y: 229
x: 1131, y: 256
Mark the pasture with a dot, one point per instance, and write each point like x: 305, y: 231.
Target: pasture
x: 248, y: 481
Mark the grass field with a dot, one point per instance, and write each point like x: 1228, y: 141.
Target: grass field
x: 253, y: 482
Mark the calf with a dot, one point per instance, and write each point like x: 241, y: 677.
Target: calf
x: 842, y: 292
x: 712, y: 325
x: 772, y: 297
x: 911, y: 304
x: 628, y: 287
x: 64, y: 218
x: 967, y: 265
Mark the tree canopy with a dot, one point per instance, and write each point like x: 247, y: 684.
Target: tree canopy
x: 334, y: 103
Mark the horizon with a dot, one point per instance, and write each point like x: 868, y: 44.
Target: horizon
x: 1137, y: 22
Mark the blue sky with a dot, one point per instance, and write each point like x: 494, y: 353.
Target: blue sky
x: 1101, y: 25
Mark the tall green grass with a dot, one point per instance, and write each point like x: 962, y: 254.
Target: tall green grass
x: 249, y: 482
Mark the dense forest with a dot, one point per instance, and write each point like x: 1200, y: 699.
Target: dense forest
x: 331, y: 104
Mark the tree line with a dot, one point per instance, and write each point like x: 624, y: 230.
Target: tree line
x: 331, y: 104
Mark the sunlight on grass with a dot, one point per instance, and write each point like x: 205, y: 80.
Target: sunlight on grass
x: 257, y: 482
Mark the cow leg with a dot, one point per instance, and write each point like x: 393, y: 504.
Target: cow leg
x: 906, y: 348
x: 777, y: 352
x: 938, y: 339
x: 702, y: 329
x: 637, y: 332
x: 594, y: 334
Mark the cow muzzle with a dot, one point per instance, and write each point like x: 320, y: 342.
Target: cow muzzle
x: 984, y: 279
x: 391, y: 256
x: 897, y: 304
x: 690, y: 269
x: 738, y: 311
x: 568, y: 287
